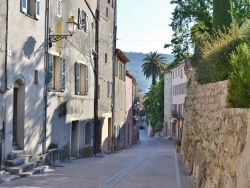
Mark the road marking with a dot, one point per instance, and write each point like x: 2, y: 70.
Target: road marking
x: 177, y: 173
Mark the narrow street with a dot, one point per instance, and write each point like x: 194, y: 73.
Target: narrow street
x: 150, y: 163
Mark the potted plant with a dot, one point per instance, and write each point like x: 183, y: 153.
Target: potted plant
x: 178, y: 145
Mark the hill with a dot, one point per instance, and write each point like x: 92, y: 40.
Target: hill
x: 134, y: 67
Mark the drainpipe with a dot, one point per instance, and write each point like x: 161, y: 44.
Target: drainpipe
x: 96, y: 122
x: 45, y: 92
x: 114, y: 69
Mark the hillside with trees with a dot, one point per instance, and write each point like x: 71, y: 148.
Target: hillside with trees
x: 134, y: 67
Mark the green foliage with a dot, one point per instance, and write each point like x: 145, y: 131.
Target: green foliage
x: 177, y: 142
x: 240, y: 11
x: 212, y: 55
x: 221, y: 14
x: 158, y: 127
x: 154, y: 102
x: 142, y: 112
x: 239, y: 79
x: 153, y: 65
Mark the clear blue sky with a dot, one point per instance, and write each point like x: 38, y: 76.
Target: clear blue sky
x: 143, y: 25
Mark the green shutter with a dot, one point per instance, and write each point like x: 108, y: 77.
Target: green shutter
x: 63, y: 74
x: 51, y: 72
x: 77, y: 78
x: 87, y: 80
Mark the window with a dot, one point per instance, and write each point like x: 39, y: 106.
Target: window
x: 31, y: 8
x: 59, y: 8
x: 82, y: 20
x: 36, y: 77
x: 108, y: 89
x: 107, y: 12
x: 181, y: 73
x: 116, y: 68
x: 81, y: 79
x: 56, y: 73
x: 106, y: 58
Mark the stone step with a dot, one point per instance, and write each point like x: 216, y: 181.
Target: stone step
x: 15, y: 154
x: 18, y: 161
x: 39, y: 169
x: 22, y: 168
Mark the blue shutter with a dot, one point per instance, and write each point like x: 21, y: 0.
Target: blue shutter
x: 87, y: 80
x: 77, y: 78
x: 51, y: 72
x: 24, y: 6
x: 63, y: 74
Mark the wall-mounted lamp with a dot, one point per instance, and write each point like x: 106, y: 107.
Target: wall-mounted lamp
x: 71, y: 25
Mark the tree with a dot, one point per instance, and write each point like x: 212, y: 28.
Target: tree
x: 153, y: 65
x: 222, y: 18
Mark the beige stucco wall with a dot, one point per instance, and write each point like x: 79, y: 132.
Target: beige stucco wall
x: 216, y: 138
x: 66, y: 107
x: 25, y: 35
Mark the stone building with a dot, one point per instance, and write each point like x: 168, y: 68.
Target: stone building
x: 106, y: 60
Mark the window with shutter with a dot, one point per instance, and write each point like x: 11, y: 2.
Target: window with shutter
x: 63, y: 74
x: 82, y: 20
x: 87, y: 80
x: 59, y: 8
x: 51, y: 72
x: 77, y: 78
x: 24, y: 6
x: 38, y: 9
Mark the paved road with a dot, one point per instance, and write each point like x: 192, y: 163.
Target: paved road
x: 150, y: 163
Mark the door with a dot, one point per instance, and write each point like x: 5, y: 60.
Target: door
x: 109, y: 134
x: 74, y: 139
x: 14, y: 131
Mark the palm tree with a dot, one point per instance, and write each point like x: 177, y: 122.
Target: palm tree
x: 153, y: 65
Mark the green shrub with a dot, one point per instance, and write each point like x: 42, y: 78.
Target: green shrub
x: 158, y: 127
x: 178, y: 142
x: 239, y: 79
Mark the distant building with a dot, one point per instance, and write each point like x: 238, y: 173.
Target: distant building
x: 130, y: 96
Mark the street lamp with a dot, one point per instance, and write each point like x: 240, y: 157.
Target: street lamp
x: 71, y: 25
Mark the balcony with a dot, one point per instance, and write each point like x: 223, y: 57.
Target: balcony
x: 176, y: 114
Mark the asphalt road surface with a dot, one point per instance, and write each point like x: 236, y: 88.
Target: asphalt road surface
x: 151, y: 163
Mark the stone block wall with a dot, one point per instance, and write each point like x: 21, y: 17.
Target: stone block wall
x: 216, y: 138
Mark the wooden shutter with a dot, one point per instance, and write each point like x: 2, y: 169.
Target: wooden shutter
x: 24, y: 6
x: 63, y: 74
x: 87, y: 79
x: 77, y: 78
x: 80, y: 17
x: 51, y: 72
x: 59, y: 8
x: 86, y: 22
x: 38, y: 3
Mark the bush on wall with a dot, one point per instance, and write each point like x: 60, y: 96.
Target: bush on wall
x: 158, y: 127
x: 239, y: 79
x: 211, y: 57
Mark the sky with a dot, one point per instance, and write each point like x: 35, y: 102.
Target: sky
x: 143, y: 25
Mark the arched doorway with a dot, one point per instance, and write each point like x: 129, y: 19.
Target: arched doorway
x: 18, y: 113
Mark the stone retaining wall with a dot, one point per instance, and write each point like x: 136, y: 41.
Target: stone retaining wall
x: 216, y: 138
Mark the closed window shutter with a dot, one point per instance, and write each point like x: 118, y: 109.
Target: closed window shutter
x: 77, y: 78
x: 38, y: 9
x: 111, y: 89
x: 24, y: 6
x: 87, y: 80
x: 63, y: 74
x: 51, y: 72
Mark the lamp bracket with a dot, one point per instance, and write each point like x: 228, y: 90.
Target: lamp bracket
x: 55, y: 38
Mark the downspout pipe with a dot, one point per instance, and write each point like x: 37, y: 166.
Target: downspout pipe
x: 46, y: 58
x: 114, y: 70
x: 96, y: 59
